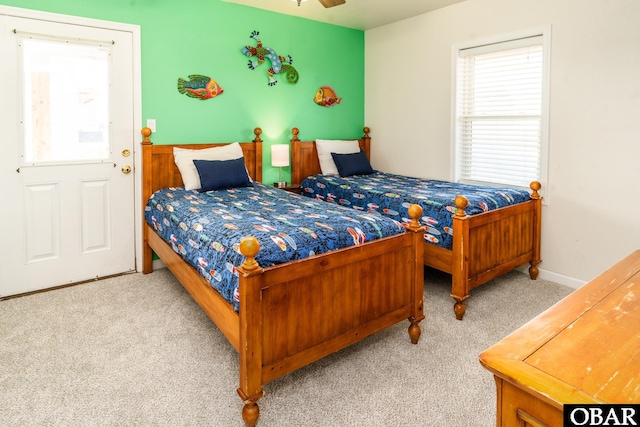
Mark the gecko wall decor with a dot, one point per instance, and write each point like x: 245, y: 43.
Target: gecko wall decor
x: 279, y: 64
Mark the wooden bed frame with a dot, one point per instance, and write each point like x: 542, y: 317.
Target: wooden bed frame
x: 296, y: 313
x: 485, y: 246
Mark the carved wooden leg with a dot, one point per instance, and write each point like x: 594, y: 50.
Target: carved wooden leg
x: 414, y: 331
x: 459, y: 308
x: 250, y: 410
x: 533, y: 270
x: 250, y: 414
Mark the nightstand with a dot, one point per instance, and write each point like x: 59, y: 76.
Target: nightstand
x: 292, y: 188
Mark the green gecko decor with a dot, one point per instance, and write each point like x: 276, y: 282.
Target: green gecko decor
x: 279, y: 64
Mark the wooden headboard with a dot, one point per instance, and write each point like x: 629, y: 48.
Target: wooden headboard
x: 160, y: 171
x: 304, y: 155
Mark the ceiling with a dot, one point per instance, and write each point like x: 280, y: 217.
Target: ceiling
x: 358, y: 14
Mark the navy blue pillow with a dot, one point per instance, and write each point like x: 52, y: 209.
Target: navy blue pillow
x: 220, y: 174
x: 352, y: 164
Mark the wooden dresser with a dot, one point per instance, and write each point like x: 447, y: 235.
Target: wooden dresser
x: 584, y: 349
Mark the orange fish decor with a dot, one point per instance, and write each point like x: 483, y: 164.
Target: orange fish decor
x: 326, y: 97
x: 200, y: 87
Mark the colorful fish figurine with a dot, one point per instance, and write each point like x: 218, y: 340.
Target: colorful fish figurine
x: 200, y: 87
x: 326, y: 97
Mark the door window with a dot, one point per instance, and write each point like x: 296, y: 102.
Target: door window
x: 66, y: 101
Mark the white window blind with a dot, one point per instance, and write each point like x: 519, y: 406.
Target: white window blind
x: 499, y: 112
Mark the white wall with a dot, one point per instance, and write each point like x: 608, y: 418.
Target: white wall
x: 592, y: 218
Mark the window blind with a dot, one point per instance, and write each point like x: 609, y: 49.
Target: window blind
x: 499, y: 112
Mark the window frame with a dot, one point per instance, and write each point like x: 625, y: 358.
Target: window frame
x: 545, y: 33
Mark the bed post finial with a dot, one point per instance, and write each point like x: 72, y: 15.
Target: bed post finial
x: 249, y: 247
x: 146, y: 132
x: 257, y: 132
x: 415, y: 212
x: 535, y: 187
x: 366, y: 131
x: 461, y: 203
x: 295, y: 132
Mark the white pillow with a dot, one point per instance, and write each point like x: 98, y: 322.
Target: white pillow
x: 326, y: 147
x: 184, y: 160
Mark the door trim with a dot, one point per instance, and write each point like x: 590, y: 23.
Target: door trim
x: 137, y: 96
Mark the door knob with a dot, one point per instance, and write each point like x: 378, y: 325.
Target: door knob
x: 126, y: 169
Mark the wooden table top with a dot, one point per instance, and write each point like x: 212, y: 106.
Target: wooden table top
x: 584, y: 349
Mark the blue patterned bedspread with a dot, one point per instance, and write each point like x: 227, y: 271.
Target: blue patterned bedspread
x: 206, y: 228
x: 391, y: 195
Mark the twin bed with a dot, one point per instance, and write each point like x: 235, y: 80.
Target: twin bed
x: 362, y: 273
x: 289, y: 280
x: 473, y: 233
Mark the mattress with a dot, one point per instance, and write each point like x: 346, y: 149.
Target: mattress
x: 206, y: 228
x: 391, y: 195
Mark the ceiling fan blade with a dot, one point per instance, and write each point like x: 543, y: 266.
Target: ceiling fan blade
x: 331, y: 3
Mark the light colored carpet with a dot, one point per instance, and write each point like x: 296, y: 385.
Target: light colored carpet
x: 136, y: 350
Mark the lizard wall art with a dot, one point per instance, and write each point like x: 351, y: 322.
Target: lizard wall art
x: 279, y: 64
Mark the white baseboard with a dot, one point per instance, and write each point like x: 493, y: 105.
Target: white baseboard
x: 555, y: 277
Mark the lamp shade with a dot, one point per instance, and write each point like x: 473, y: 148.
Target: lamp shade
x: 280, y: 155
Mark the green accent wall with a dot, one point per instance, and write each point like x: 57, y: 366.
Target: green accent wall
x: 206, y: 37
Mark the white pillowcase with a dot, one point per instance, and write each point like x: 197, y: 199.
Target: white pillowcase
x: 184, y: 160
x: 325, y: 147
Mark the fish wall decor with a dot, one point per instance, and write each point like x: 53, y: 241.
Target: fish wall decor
x: 279, y: 64
x: 326, y: 97
x: 199, y: 86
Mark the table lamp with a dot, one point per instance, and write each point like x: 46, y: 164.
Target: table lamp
x: 280, y: 159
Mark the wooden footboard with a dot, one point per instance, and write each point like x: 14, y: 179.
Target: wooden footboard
x: 311, y: 308
x: 487, y: 245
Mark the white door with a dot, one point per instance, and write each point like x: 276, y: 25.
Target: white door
x: 66, y: 132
